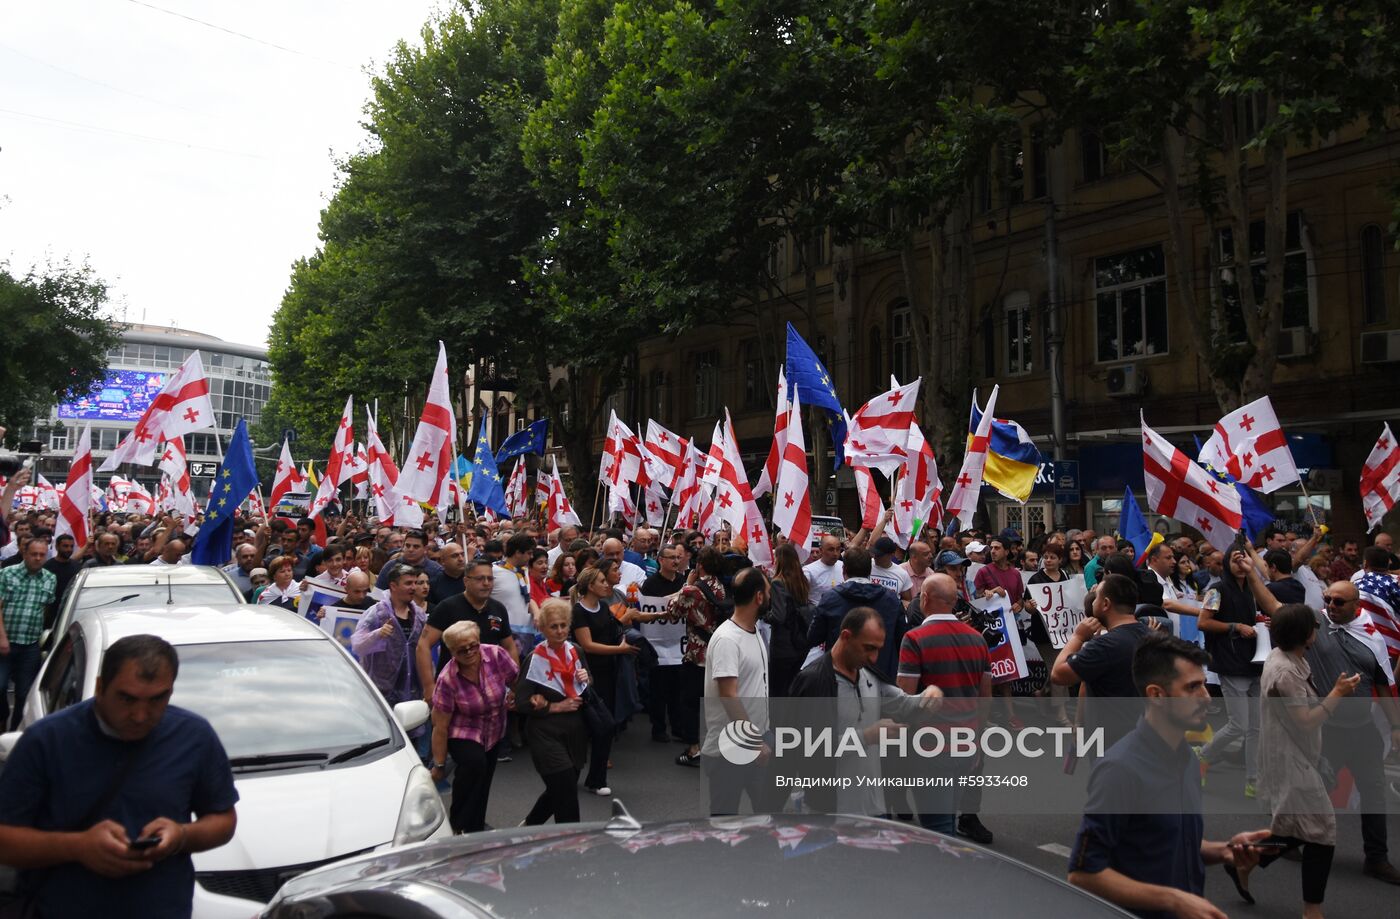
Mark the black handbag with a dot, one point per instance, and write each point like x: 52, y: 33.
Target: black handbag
x: 597, y: 715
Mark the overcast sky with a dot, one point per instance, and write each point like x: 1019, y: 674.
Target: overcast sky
x: 188, y: 165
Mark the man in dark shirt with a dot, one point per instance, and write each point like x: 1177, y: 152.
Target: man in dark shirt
x: 1278, y: 568
x: 63, y: 565
x: 474, y: 605
x: 357, y: 595
x: 1141, y: 843
x: 1103, y: 662
x: 661, y: 663
x: 86, y: 781
x: 448, y: 582
x: 104, y: 551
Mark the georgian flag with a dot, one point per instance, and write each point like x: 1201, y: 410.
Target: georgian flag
x: 1249, y: 444
x: 654, y: 505
x: 541, y: 489
x: 620, y: 502
x: 340, y: 466
x: 48, y: 495
x: 181, y: 406
x: 430, y: 457
x: 557, y: 669
x: 118, y: 487
x: 663, y: 455
x: 734, y: 500
x: 792, y: 510
x: 176, y: 471
x: 622, y: 456
x: 1380, y: 479
x: 919, y: 491
x: 383, y: 474
x: 872, y: 507
x: 139, y: 500
x: 967, y: 487
x: 287, y: 478
x: 688, y: 488
x: 1180, y: 489
x: 561, y: 512
x: 877, y: 435
x: 515, y: 490
x: 75, y: 502
x: 781, y: 417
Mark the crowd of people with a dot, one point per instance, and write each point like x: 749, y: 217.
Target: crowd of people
x: 526, y: 640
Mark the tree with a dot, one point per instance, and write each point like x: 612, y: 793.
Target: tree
x: 56, y: 339
x: 1210, y: 102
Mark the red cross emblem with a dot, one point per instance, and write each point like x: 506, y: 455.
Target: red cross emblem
x: 141, y: 433
x: 964, y: 480
x: 424, y: 461
x: 1267, y: 472
x: 787, y: 499
x: 895, y: 397
x: 1383, y: 443
x: 378, y: 490
x: 1248, y: 458
x: 1204, y: 524
x: 725, y: 500
x: 907, y: 505
x: 191, y: 415
x: 1247, y: 422
x: 757, y: 532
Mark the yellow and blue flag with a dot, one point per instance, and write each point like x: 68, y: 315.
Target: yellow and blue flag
x: 1013, y: 462
x: 1133, y: 527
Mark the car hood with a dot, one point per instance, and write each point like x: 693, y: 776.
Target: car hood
x: 292, y: 818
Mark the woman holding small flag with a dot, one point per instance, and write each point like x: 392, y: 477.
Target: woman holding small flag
x: 552, y: 683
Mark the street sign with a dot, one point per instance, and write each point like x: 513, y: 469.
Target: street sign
x: 831, y: 497
x: 289, y: 435
x: 1067, y: 476
x: 203, y: 469
x: 1068, y: 498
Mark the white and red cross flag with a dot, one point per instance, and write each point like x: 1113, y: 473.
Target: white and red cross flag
x: 663, y: 455
x: 769, y: 475
x: 181, y: 406
x: 1180, y: 489
x: 383, y: 474
x: 432, y: 452
x: 341, y: 463
x: 734, y: 500
x: 76, y: 499
x: 877, y: 435
x: 622, y: 455
x: 967, y: 487
x: 1249, y: 444
x: 792, y: 509
x: 561, y: 512
x: 1380, y: 479
x: 286, y: 478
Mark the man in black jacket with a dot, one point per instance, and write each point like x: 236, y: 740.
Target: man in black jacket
x: 859, y: 590
x: 846, y: 673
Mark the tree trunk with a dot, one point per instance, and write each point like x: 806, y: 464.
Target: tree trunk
x: 816, y: 432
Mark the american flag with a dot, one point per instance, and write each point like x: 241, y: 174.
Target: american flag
x: 1380, y: 599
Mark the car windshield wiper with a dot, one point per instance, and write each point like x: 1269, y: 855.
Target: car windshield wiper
x: 110, y: 602
x: 277, y: 759
x: 360, y: 750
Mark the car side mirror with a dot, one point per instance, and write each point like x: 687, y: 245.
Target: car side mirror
x: 409, y: 715
x: 7, y: 744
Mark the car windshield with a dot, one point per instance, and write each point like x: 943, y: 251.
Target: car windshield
x: 155, y: 594
x: 269, y: 698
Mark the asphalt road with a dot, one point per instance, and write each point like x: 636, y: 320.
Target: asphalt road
x: 653, y: 788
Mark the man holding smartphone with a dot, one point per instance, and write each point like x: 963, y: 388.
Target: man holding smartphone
x: 103, y: 802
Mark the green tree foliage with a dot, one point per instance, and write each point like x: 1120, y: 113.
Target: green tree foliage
x: 55, y: 341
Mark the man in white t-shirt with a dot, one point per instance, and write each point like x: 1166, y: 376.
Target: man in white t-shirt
x: 631, y: 574
x: 563, y: 537
x: 887, y: 572
x: 511, y: 588
x: 825, y: 571
x: 919, y: 564
x: 736, y: 690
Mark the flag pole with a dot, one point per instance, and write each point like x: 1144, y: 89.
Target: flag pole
x: 593, y: 517
x: 1308, y: 500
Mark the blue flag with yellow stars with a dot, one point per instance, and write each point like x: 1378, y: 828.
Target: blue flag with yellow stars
x: 806, y: 374
x: 236, y: 478
x: 487, y: 492
x: 527, y: 440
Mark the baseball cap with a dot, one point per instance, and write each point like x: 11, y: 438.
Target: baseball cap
x: 883, y: 546
x: 1010, y: 535
x: 976, y: 546
x: 948, y: 557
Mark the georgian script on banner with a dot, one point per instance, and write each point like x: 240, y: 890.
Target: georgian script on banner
x: 1008, y: 657
x: 667, y: 634
x: 1061, y: 605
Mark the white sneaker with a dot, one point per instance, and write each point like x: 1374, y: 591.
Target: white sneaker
x: 603, y: 792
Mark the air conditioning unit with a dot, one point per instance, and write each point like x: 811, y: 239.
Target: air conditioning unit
x: 1325, y: 480
x: 1126, y: 380
x: 1297, y: 342
x: 1380, y: 347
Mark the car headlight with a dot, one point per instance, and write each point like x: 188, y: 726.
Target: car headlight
x: 422, y: 811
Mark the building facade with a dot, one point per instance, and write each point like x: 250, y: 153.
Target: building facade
x: 1127, y: 347
x: 238, y: 377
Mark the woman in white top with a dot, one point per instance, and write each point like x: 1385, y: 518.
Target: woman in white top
x: 284, y: 591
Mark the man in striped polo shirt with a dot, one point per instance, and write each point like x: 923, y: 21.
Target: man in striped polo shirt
x: 944, y: 652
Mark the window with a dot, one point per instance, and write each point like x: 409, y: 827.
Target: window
x: 1013, y: 173
x: 775, y: 258
x: 659, y: 396
x: 706, y: 396
x: 901, y: 344
x: 1297, y: 291
x: 1093, y: 157
x: 756, y: 390
x: 58, y: 440
x: 63, y: 678
x: 1130, y: 294
x: 1039, y: 183
x: 1373, y: 274
x: 877, y: 360
x: 1018, y: 332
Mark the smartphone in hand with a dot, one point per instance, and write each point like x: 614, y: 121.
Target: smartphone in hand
x: 144, y: 843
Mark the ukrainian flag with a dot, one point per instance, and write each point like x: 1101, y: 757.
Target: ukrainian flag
x: 1012, y: 460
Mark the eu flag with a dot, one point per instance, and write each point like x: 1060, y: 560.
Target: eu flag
x: 530, y: 440
x: 809, y: 378
x: 236, y: 478
x: 1257, y: 517
x: 487, y: 492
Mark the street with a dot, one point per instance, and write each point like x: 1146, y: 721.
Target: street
x: 653, y: 788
